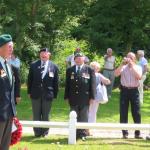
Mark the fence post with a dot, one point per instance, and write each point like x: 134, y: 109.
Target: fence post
x: 72, y: 127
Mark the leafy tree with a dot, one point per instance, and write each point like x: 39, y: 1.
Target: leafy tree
x: 120, y: 24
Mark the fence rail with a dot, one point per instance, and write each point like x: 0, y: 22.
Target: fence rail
x: 72, y: 125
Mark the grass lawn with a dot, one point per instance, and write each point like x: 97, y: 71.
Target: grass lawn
x: 60, y: 143
x: 60, y: 111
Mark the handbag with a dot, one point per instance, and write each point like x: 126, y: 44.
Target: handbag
x: 101, y: 93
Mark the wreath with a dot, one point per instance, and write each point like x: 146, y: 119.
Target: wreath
x: 17, y: 134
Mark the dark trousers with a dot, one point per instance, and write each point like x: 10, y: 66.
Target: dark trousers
x: 82, y: 116
x: 41, y: 109
x: 130, y: 96
x: 5, y: 134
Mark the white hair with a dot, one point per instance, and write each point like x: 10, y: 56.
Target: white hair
x: 95, y: 65
x: 141, y: 52
x: 109, y: 49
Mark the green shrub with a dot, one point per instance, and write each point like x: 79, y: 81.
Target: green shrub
x: 24, y: 73
x: 62, y: 50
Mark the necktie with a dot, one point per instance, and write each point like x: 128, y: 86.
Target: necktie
x: 42, y: 67
x: 6, y: 67
x: 78, y: 70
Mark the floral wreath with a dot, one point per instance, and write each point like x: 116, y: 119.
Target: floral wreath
x: 17, y: 134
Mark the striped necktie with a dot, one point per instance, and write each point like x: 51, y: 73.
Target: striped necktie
x: 6, y: 67
x: 42, y: 67
x: 8, y: 71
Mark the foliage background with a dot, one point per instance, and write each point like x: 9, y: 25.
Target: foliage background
x: 94, y: 25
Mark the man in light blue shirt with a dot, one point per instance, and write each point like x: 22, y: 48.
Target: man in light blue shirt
x: 14, y: 61
x: 144, y: 65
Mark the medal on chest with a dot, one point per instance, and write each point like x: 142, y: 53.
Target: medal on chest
x: 51, y: 74
x: 72, y: 76
x: 2, y: 73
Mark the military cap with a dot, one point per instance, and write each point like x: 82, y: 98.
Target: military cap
x: 5, y: 38
x: 44, y: 50
x: 78, y: 55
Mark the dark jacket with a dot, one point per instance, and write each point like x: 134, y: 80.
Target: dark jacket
x: 17, y: 83
x: 7, y: 103
x: 79, y: 89
x: 48, y: 86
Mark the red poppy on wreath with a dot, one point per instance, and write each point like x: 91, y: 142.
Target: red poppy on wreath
x: 16, y: 131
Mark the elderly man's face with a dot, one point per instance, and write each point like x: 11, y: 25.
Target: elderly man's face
x: 131, y: 56
x: 79, y: 60
x: 44, y: 56
x: 7, y: 50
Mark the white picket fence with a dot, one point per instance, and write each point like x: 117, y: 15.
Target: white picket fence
x: 72, y: 125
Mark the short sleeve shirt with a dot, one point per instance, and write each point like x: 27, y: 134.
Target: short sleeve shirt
x: 128, y: 78
x: 142, y: 62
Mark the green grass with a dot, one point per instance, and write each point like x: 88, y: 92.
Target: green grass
x: 60, y: 112
x: 60, y: 109
x: 60, y: 143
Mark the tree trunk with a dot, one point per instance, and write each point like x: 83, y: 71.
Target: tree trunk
x: 128, y: 46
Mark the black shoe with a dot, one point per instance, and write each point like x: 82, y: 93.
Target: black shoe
x: 138, y: 137
x: 148, y: 137
x: 45, y: 135
x: 37, y: 135
x: 125, y: 136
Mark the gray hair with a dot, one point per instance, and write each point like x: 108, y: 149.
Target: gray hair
x: 140, y: 52
x: 109, y: 49
x: 95, y: 64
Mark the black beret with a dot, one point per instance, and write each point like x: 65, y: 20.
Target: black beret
x: 44, y: 50
x: 5, y: 38
x: 78, y: 55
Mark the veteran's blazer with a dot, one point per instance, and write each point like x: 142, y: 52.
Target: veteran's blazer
x: 7, y: 102
x: 79, y: 89
x: 48, y: 86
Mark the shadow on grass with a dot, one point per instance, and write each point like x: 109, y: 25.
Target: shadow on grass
x: 116, y: 141
x: 90, y: 141
x: 47, y: 140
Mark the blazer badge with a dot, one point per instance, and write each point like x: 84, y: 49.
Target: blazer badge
x: 2, y: 73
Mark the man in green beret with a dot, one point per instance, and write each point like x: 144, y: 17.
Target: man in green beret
x: 7, y: 103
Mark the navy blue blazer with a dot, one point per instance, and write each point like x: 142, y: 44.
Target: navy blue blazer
x: 46, y: 87
x: 7, y: 102
x: 79, y: 89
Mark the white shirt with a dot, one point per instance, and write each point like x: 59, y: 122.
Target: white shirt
x: 79, y: 66
x: 109, y: 62
x: 45, y: 68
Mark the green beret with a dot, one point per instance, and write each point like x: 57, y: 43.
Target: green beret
x: 78, y: 55
x: 5, y: 38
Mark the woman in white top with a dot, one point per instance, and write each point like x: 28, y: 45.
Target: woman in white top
x: 95, y: 103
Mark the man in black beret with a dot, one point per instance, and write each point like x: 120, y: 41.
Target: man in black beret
x: 70, y: 59
x: 80, y: 90
x: 7, y: 102
x: 42, y: 88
